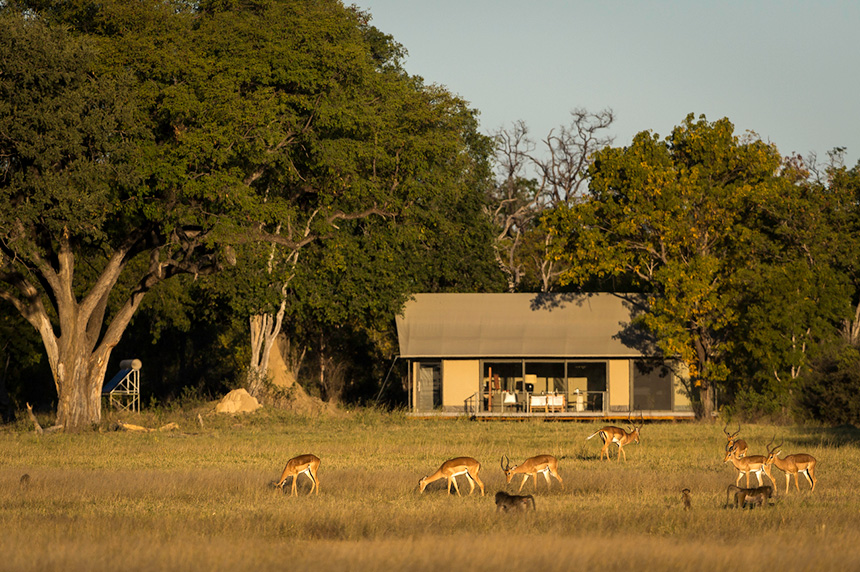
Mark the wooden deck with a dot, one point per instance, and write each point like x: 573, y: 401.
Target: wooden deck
x: 615, y: 416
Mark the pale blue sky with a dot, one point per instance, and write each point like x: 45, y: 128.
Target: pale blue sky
x: 789, y: 70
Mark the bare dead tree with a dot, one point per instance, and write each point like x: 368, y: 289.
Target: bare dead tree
x: 564, y: 167
x: 532, y: 180
x: 513, y: 202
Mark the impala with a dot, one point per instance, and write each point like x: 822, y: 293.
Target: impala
x: 541, y: 464
x: 733, y: 441
x: 453, y: 468
x: 618, y: 436
x: 746, y: 465
x: 303, y: 464
x: 792, y: 465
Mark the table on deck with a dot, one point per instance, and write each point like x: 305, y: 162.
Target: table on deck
x: 547, y: 402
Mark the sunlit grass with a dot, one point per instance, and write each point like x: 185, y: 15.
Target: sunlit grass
x: 199, y: 499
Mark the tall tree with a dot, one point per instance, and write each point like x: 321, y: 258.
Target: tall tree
x: 844, y: 183
x: 350, y: 285
x: 379, y: 151
x: 829, y: 383
x: 795, y: 288
x: 72, y: 190
x: 671, y: 215
x: 179, y: 130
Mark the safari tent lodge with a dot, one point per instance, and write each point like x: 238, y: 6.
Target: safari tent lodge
x: 562, y: 356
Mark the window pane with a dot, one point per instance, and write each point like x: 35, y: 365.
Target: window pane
x: 508, y: 375
x: 546, y: 376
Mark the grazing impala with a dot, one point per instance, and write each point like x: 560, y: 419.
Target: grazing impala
x: 541, y: 464
x: 618, y: 436
x: 792, y: 465
x: 453, y: 468
x: 307, y: 464
x: 746, y: 465
x: 733, y: 441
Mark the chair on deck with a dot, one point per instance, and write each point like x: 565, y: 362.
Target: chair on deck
x: 509, y: 400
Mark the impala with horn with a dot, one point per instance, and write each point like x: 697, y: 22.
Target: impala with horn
x: 792, y: 465
x: 746, y: 465
x: 619, y: 436
x: 545, y: 465
x: 453, y: 468
x: 733, y: 441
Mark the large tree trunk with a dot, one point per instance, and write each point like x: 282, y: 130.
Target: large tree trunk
x: 265, y: 328
x: 79, y: 347
x: 264, y: 331
x: 79, y: 388
x: 269, y: 348
x: 706, y: 397
x: 79, y: 367
x: 705, y: 409
x: 701, y: 393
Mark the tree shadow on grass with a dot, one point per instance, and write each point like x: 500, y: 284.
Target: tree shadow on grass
x: 836, y: 437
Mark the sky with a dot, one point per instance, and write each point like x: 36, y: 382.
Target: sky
x: 786, y: 70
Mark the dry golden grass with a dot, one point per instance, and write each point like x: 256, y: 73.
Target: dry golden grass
x: 200, y: 500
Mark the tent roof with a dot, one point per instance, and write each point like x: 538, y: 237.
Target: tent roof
x: 520, y: 326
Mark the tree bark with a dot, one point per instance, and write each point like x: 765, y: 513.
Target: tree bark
x: 79, y: 391
x: 706, y: 396
x: 703, y: 368
x: 265, y: 329
x: 78, y: 367
x: 851, y: 328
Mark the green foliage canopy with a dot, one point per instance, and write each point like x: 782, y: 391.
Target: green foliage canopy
x: 153, y: 138
x: 671, y: 215
x: 795, y: 289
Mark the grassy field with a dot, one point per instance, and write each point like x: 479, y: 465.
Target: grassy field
x: 198, y: 498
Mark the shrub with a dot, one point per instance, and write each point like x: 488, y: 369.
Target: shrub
x: 830, y: 390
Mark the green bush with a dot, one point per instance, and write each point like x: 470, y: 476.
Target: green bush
x: 830, y: 391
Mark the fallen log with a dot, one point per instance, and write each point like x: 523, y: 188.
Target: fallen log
x: 132, y: 427
x: 172, y: 426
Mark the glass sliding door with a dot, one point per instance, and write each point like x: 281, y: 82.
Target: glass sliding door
x: 586, y: 385
x: 546, y: 386
x: 502, y: 385
x: 652, y: 386
x: 429, y: 386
